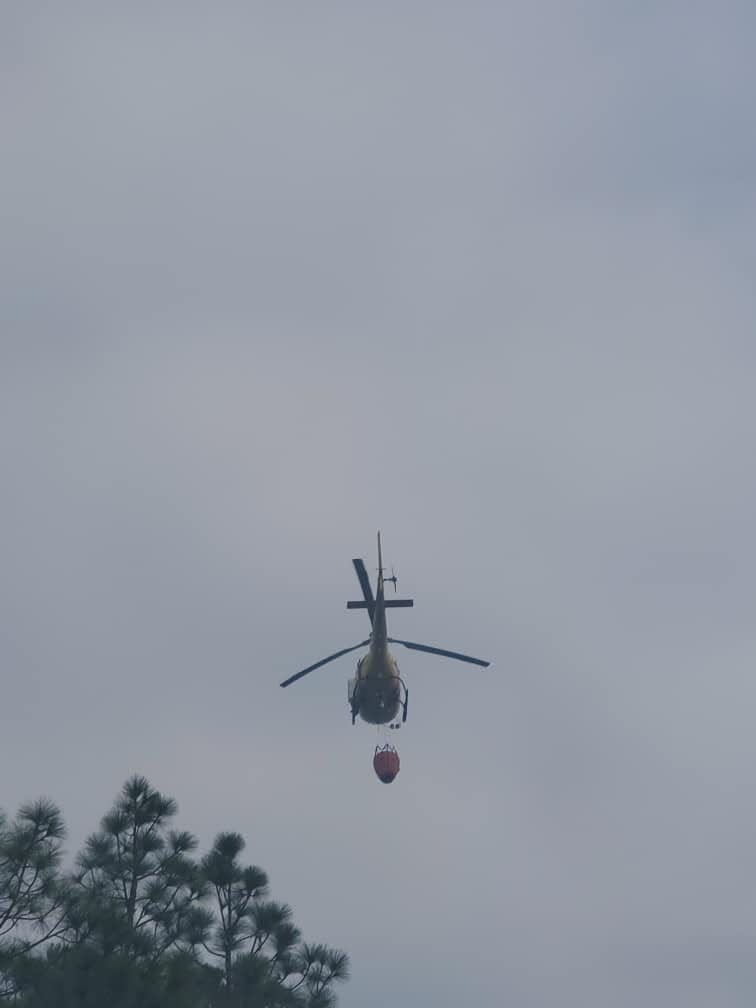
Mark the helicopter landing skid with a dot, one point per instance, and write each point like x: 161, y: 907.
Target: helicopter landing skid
x: 403, y: 704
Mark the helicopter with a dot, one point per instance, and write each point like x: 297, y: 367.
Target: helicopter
x: 377, y: 692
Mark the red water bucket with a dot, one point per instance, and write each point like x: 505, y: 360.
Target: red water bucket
x: 386, y: 763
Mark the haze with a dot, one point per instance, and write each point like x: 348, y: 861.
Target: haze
x: 273, y: 277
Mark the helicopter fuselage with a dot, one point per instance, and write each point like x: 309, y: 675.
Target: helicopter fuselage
x: 376, y: 691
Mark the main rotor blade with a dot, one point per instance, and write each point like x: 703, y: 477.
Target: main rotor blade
x: 440, y: 651
x: 367, y: 591
x: 323, y: 661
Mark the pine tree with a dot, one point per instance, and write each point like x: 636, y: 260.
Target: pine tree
x: 137, y: 889
x: 237, y: 890
x: 135, y: 925
x: 265, y: 962
x: 31, y: 891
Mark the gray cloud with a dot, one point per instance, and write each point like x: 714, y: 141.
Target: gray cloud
x: 273, y: 280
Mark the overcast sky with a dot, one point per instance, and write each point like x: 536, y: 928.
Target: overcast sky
x: 273, y: 276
